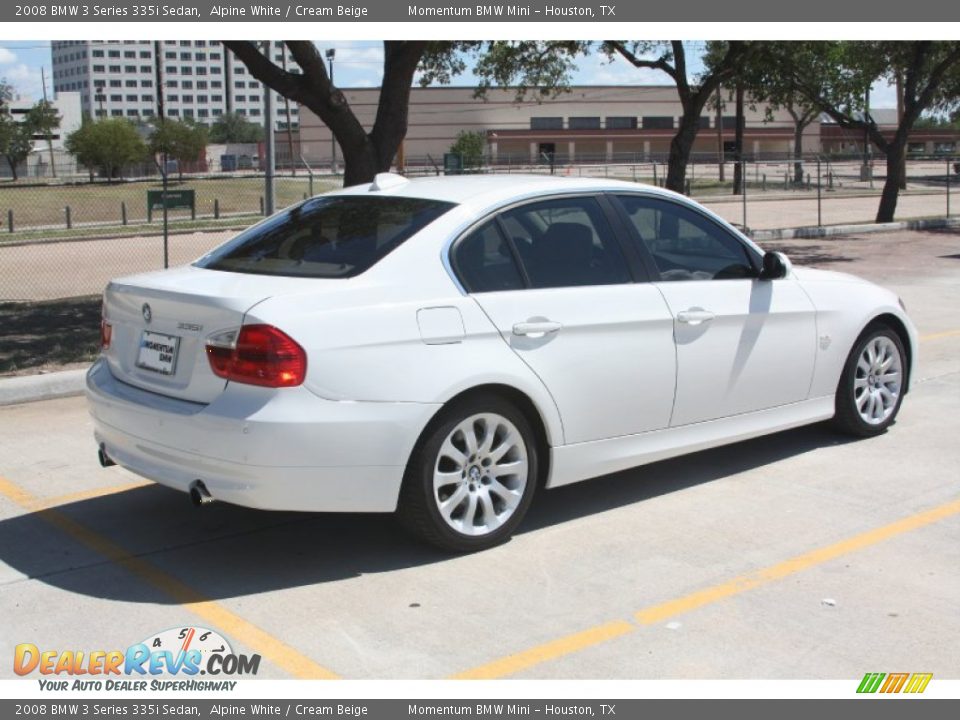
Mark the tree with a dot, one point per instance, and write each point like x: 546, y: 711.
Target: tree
x: 546, y: 67
x: 16, y: 138
x: 107, y: 146
x: 182, y: 141
x: 836, y: 76
x: 722, y: 61
x: 16, y: 141
x: 43, y: 119
x: 234, y: 128
x: 364, y: 153
x: 471, y: 146
x: 768, y: 77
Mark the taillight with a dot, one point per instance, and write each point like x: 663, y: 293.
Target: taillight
x: 106, y: 329
x: 257, y: 355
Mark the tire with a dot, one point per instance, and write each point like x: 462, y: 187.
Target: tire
x: 462, y: 500
x: 871, y: 385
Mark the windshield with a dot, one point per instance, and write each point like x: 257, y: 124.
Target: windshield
x: 326, y: 237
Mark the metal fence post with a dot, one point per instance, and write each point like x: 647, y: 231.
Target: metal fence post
x: 123, y: 212
x: 819, y: 212
x: 216, y: 208
x: 66, y: 212
x: 743, y: 191
x: 10, y: 220
x: 948, y: 192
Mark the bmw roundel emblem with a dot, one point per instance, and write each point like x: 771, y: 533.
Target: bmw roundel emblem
x: 147, y: 312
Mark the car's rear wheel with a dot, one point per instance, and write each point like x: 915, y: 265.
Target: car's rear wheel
x: 472, y: 476
x: 871, y: 387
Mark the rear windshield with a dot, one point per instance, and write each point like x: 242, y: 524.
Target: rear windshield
x: 326, y: 237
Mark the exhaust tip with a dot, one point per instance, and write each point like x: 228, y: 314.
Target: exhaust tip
x: 199, y: 495
x: 102, y: 456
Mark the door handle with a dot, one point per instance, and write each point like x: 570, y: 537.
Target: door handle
x: 536, y: 327
x: 695, y: 316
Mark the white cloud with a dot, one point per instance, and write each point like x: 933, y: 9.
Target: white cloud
x: 25, y: 80
x: 7, y: 57
x: 598, y: 69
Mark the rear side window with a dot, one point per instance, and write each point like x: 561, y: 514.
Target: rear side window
x: 566, y: 242
x: 326, y: 237
x: 484, y: 262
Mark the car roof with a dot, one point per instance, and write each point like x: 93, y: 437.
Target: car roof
x: 481, y: 191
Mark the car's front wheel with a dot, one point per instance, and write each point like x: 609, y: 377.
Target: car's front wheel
x: 872, y: 385
x: 472, y: 476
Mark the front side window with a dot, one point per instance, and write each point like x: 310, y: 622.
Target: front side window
x: 485, y: 263
x: 565, y: 242
x: 326, y: 237
x: 684, y: 244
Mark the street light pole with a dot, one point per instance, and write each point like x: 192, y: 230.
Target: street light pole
x: 268, y: 196
x: 331, y: 54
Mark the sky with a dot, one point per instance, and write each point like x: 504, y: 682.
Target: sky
x: 359, y: 64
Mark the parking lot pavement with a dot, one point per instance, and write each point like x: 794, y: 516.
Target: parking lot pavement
x: 801, y: 554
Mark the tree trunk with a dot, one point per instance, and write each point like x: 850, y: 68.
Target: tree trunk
x: 891, y: 187
x: 13, y: 169
x: 798, y: 154
x: 680, y: 147
x: 360, y: 162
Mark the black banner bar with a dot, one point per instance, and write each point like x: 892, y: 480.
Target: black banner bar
x: 740, y: 11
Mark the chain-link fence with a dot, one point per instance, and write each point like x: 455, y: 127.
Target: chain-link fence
x: 68, y: 239
x: 61, y: 242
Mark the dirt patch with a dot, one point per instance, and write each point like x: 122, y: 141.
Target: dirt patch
x: 46, y: 336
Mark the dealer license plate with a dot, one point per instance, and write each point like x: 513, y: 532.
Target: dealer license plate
x: 158, y: 352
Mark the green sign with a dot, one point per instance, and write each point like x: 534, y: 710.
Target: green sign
x: 172, y: 200
x: 452, y: 163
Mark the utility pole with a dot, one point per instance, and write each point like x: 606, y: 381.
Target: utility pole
x: 331, y: 54
x: 268, y: 197
x: 865, y: 170
x: 163, y: 169
x: 720, y: 158
x: 903, y: 158
x: 739, y: 181
x: 53, y: 163
x: 286, y: 105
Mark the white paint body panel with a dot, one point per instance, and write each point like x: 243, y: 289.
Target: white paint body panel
x: 757, y: 352
x: 621, y: 383
x: 610, y: 367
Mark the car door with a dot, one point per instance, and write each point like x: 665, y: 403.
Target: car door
x: 743, y: 344
x: 553, y: 279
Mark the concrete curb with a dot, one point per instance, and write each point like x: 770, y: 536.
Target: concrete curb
x: 812, y: 231
x: 30, y: 388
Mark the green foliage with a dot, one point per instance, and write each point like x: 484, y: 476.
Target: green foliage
x: 532, y: 67
x: 181, y: 141
x: 43, y: 118
x: 107, y: 146
x: 233, y: 128
x: 471, y: 146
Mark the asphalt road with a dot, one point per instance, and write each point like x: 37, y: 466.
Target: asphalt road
x: 799, y: 555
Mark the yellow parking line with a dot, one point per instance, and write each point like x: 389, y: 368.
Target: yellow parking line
x: 548, y: 651
x: 234, y: 626
x: 938, y: 335
x: 663, y: 611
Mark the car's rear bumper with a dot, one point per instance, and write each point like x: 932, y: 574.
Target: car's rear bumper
x: 270, y: 449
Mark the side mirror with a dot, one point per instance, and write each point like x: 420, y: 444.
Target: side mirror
x: 776, y: 265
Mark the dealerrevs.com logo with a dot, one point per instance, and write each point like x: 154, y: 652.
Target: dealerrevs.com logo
x: 888, y: 683
x: 153, y: 664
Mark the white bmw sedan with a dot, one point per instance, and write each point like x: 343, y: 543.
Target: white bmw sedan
x: 445, y: 347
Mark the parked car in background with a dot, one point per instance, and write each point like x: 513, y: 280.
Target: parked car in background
x: 445, y: 347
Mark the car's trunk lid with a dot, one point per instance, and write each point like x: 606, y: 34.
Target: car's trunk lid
x: 160, y: 321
